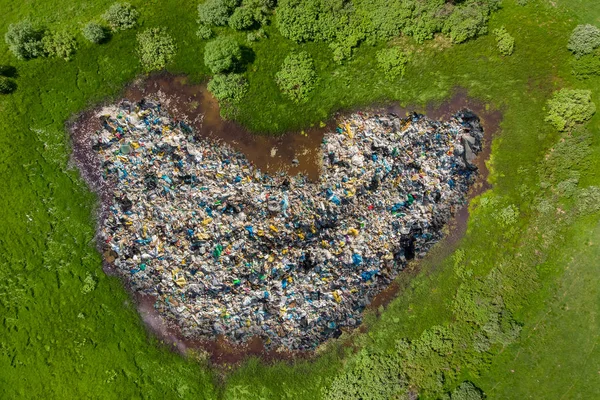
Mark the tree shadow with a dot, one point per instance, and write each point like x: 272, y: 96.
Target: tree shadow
x: 248, y: 57
x: 108, y: 35
x: 8, y: 71
x: 8, y: 87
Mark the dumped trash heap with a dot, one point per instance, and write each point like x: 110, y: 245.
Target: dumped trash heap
x: 229, y: 250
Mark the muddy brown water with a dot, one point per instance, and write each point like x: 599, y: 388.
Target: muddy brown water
x: 195, y: 105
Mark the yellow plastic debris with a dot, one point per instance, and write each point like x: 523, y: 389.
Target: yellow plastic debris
x: 273, y: 228
x: 348, y: 131
x: 353, y: 231
x: 207, y: 221
x: 337, y: 297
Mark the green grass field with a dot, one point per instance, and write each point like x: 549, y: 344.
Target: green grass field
x: 534, y: 247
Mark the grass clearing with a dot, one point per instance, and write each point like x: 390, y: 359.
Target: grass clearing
x: 59, y: 340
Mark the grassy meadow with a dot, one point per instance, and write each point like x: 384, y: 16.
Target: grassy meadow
x: 514, y: 309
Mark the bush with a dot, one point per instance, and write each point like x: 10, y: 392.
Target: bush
x: 584, y: 39
x: 216, y: 12
x: 156, y: 48
x: 60, y: 44
x: 297, y: 76
x: 568, y: 107
x: 24, y: 40
x: 505, y: 42
x: 222, y: 54
x: 392, y: 62
x: 242, y: 18
x: 121, y: 16
x: 204, y: 32
x: 467, y: 391
x: 94, y: 33
x: 7, y: 85
x: 228, y: 87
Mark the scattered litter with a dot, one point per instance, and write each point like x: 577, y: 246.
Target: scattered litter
x: 230, y: 250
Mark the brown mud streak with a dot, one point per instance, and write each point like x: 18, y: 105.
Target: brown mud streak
x: 197, y: 107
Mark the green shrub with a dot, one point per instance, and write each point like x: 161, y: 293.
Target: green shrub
x: 222, y: 54
x: 505, y: 42
x: 216, y: 12
x: 121, y: 16
x: 392, y: 62
x: 584, y: 39
x: 94, y: 33
x: 24, y: 40
x: 204, y: 32
x: 369, y: 376
x: 156, y: 48
x: 242, y: 18
x: 344, y: 25
x: 256, y: 35
x: 7, y: 85
x: 467, y: 391
x: 586, y: 66
x: 297, y: 76
x: 466, y: 22
x: 60, y: 44
x: 343, y: 49
x: 228, y: 87
x: 568, y: 107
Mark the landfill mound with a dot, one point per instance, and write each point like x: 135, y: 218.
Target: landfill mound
x: 229, y: 250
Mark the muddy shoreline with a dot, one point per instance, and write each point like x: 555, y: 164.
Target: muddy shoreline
x: 193, y: 104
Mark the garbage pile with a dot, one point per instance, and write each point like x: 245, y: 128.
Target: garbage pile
x: 230, y: 250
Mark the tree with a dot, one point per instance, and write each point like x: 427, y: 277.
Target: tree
x: 584, y: 39
x: 504, y: 41
x: 466, y: 22
x: 156, y: 48
x: 216, y: 12
x: 61, y: 44
x: 7, y: 85
x: 94, y: 33
x: 568, y: 107
x: 242, y: 18
x: 121, y: 16
x: 297, y: 76
x: 228, y: 87
x: 222, y: 54
x: 392, y: 62
x: 24, y: 40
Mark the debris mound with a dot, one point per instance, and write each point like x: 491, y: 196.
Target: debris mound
x: 229, y: 250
